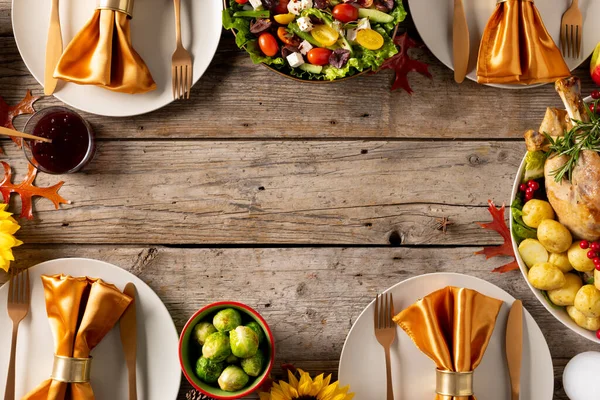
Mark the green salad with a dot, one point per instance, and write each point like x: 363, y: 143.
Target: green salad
x: 316, y: 39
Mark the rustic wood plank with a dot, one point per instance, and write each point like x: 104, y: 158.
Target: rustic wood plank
x: 297, y: 192
x: 309, y: 296
x: 237, y: 99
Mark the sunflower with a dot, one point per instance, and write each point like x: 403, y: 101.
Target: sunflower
x: 8, y: 227
x: 307, y: 389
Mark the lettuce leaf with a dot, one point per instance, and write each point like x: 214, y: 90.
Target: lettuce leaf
x: 399, y: 13
x: 520, y: 230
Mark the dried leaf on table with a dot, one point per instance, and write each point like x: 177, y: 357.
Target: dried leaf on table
x: 498, y: 224
x: 402, y: 64
x: 8, y: 113
x: 27, y: 190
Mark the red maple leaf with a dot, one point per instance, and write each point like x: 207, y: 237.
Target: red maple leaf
x: 8, y: 113
x: 402, y: 64
x: 27, y: 190
x: 505, y: 249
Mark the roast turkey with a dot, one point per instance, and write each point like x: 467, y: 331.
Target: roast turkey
x: 576, y: 202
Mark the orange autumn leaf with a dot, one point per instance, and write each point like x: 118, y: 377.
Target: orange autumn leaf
x: 27, y: 190
x: 498, y: 224
x: 8, y: 113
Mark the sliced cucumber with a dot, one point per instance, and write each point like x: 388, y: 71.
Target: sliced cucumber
x: 313, y: 69
x: 375, y: 15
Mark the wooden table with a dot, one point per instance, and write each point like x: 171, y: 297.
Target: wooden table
x: 302, y: 207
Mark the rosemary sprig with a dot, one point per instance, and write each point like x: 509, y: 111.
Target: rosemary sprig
x: 583, y: 136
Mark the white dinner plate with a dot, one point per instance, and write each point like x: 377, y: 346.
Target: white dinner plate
x: 158, y: 371
x: 433, y: 19
x: 153, y: 37
x: 362, y: 364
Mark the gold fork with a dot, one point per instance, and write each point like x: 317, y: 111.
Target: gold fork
x: 181, y: 63
x: 18, y: 306
x: 385, y: 332
x: 571, y: 31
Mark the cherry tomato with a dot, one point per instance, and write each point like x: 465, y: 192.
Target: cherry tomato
x: 319, y: 56
x: 284, y: 19
x: 325, y: 35
x: 268, y: 44
x: 281, y: 7
x: 241, y: 1
x: 287, y: 37
x: 345, y: 12
x: 369, y: 39
x: 596, y: 94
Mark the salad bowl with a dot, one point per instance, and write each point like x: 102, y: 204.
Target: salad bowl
x: 360, y: 60
x: 558, y: 312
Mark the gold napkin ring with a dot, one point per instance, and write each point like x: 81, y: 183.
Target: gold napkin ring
x: 124, y: 6
x: 450, y: 383
x: 72, y: 370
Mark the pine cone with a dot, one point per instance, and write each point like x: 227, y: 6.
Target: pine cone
x: 195, y: 395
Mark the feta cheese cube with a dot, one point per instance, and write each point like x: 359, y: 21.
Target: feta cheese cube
x: 305, y: 47
x: 306, y: 4
x: 294, y: 7
x: 363, y: 23
x: 304, y: 24
x: 256, y: 3
x: 351, y: 34
x: 337, y: 25
x: 295, y: 60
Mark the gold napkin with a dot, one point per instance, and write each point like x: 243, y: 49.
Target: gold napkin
x: 516, y: 47
x: 101, y: 54
x: 452, y: 326
x: 81, y: 311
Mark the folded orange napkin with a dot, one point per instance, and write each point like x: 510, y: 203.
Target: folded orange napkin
x: 452, y: 326
x: 81, y: 311
x: 101, y: 54
x: 516, y: 47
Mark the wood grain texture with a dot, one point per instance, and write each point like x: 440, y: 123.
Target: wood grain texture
x: 236, y: 99
x: 311, y: 296
x: 277, y: 192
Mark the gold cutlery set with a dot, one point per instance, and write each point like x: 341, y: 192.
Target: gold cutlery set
x: 449, y: 383
x: 494, y: 71
x: 65, y: 63
x: 73, y: 370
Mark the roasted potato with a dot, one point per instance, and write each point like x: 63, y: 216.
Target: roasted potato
x: 554, y: 236
x: 565, y: 296
x: 535, y: 211
x: 591, y: 324
x: 532, y: 252
x: 546, y: 276
x: 597, y: 279
x: 561, y: 260
x: 579, y: 259
x: 587, y: 300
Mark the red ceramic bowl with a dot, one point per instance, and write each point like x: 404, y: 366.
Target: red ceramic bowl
x: 188, y: 351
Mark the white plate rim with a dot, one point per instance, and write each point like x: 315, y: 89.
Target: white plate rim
x: 197, y: 75
x: 136, y: 280
x: 454, y: 274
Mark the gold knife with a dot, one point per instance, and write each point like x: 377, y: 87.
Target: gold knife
x: 54, y: 48
x: 460, y: 42
x: 128, y: 328
x: 514, y: 347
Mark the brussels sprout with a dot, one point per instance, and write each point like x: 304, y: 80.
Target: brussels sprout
x: 216, y: 347
x: 253, y: 366
x: 259, y: 331
x: 227, y: 319
x: 202, y: 330
x: 233, y: 378
x: 207, y: 370
x: 232, y: 359
x: 244, y: 342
